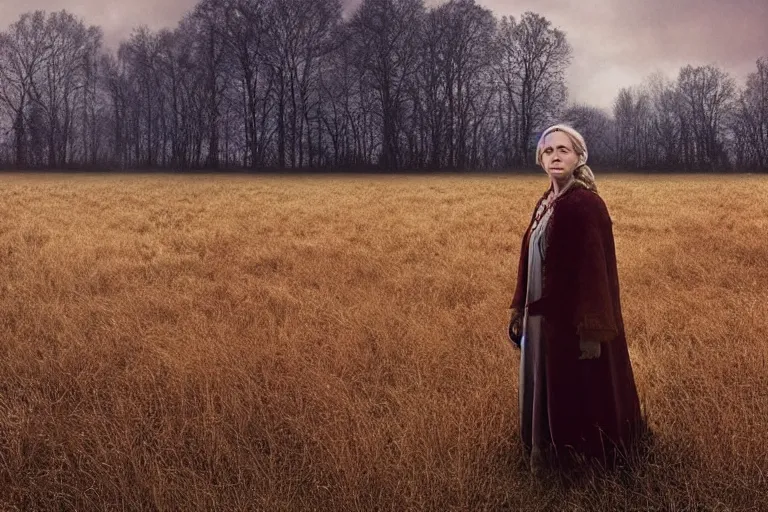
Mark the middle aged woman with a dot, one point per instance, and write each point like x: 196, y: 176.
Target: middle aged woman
x: 577, y: 392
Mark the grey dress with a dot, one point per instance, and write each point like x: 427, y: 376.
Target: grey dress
x: 534, y: 416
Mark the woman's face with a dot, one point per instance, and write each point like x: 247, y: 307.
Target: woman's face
x: 558, y: 156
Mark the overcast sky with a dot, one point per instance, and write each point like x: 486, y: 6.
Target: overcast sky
x: 616, y: 43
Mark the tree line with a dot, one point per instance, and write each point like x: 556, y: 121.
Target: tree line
x: 292, y: 84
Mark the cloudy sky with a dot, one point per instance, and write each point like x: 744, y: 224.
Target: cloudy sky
x: 616, y: 43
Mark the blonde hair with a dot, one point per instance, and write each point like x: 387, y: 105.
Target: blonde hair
x: 583, y: 174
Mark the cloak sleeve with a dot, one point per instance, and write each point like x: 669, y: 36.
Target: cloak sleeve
x: 595, y: 287
x: 580, y: 277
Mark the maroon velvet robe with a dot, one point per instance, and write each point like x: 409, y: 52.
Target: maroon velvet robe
x: 592, y: 404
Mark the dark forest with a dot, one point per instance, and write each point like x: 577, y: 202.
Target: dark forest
x: 394, y: 86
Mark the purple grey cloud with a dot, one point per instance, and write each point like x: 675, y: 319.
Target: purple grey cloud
x: 616, y: 43
x: 116, y: 17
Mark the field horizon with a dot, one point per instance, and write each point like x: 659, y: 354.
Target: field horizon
x: 336, y: 342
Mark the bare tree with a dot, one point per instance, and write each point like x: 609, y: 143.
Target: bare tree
x: 346, y: 110
x: 22, y: 52
x: 140, y: 57
x: 300, y: 32
x: 245, y: 34
x: 430, y: 107
x: 456, y: 51
x: 384, y: 39
x: 634, y: 132
x: 115, y: 84
x: 70, y: 47
x: 749, y: 120
x: 207, y: 22
x: 667, y: 121
x: 534, y: 57
x: 707, y: 94
x: 598, y: 128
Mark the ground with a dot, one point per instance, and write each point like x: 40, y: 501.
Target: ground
x: 337, y: 343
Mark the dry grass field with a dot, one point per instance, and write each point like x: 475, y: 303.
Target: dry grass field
x: 337, y: 343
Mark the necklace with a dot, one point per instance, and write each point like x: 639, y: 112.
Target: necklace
x: 547, y: 203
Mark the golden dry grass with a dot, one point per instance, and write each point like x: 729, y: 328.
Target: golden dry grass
x: 336, y: 343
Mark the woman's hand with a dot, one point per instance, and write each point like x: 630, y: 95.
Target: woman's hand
x: 589, y: 349
x: 515, y: 329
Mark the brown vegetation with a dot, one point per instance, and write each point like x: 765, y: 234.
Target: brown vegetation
x: 318, y: 343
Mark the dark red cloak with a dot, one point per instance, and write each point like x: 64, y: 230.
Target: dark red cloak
x: 593, y: 405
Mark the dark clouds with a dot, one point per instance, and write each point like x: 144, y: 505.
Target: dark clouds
x: 619, y: 43
x: 116, y: 17
x: 615, y: 43
x: 729, y: 33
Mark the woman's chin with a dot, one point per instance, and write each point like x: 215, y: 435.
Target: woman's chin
x: 559, y: 175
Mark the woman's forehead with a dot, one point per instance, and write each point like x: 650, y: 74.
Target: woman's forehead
x: 557, y: 138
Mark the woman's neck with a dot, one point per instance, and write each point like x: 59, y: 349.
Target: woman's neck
x: 558, y: 187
